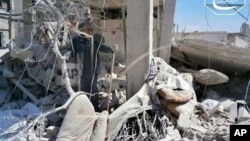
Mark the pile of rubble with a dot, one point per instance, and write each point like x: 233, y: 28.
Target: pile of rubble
x: 165, y: 108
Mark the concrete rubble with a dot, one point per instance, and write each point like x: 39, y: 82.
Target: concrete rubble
x: 191, y: 120
x: 168, y: 107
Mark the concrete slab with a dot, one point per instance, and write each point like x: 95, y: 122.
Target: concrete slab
x: 184, y: 121
x: 226, y: 104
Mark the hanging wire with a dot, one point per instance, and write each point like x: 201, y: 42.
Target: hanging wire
x: 207, y: 22
x: 236, y: 10
x: 248, y: 12
x: 209, y: 54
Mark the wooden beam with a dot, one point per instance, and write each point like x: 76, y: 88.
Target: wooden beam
x: 25, y: 91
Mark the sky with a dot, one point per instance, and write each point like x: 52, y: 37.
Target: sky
x: 191, y: 16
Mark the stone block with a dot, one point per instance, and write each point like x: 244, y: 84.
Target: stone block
x: 184, y: 121
x: 226, y: 103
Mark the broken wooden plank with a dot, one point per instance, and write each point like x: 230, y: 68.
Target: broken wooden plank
x: 25, y: 91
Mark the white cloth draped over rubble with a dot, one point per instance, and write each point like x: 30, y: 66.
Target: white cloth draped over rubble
x: 172, y: 81
x: 81, y: 123
x: 146, y: 98
x: 168, y: 77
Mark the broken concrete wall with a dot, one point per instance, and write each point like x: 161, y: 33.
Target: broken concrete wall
x: 113, y: 34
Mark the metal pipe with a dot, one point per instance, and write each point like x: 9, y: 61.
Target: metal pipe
x: 124, y: 27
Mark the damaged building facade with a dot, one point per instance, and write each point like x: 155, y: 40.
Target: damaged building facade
x: 141, y: 96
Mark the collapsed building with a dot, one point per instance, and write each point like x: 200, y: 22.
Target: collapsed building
x: 40, y: 104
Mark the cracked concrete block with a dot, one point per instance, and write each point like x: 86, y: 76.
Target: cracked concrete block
x: 226, y: 103
x: 238, y: 112
x: 184, y: 121
x: 209, y: 104
x: 173, y: 134
x: 187, y: 121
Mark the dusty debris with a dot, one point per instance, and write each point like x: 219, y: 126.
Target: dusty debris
x: 176, y: 93
x: 13, y: 121
x: 210, y: 104
x: 117, y: 98
x: 196, y: 128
